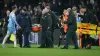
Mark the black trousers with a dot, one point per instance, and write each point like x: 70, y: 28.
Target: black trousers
x: 71, y: 36
x: 26, y: 39
x: 52, y: 37
x: 46, y: 40
x: 19, y: 36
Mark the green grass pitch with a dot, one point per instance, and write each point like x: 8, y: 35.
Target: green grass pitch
x: 56, y: 51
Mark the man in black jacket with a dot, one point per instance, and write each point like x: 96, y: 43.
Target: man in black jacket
x: 72, y: 27
x: 46, y: 23
x: 24, y: 21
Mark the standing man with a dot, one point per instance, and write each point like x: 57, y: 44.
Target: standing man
x: 11, y: 27
x: 54, y: 23
x: 72, y: 27
x: 24, y: 21
x: 46, y: 23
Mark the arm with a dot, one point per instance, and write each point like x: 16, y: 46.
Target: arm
x: 14, y: 19
x: 70, y: 19
x: 49, y: 22
x: 41, y: 20
x: 18, y: 19
x: 30, y: 24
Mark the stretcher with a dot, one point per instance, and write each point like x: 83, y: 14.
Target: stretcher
x: 98, y: 32
x: 86, y: 28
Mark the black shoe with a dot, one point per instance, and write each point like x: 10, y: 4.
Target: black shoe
x: 76, y: 48
x: 26, y: 47
x: 52, y: 47
x: 20, y: 46
x: 48, y: 47
x: 64, y: 48
x: 59, y: 45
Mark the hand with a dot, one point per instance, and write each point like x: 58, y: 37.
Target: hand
x: 18, y: 27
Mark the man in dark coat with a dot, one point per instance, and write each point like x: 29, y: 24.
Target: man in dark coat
x: 72, y: 27
x: 24, y: 21
x: 55, y: 23
x: 46, y: 23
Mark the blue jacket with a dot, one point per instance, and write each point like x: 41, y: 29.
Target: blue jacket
x: 24, y: 20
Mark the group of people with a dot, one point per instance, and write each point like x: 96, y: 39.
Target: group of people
x: 73, y: 17
x: 21, y: 25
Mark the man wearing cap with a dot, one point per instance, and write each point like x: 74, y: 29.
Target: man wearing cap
x: 24, y: 21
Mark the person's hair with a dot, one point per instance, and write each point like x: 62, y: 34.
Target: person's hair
x: 84, y: 7
x: 74, y: 9
x: 14, y: 7
x: 24, y: 9
x: 48, y: 7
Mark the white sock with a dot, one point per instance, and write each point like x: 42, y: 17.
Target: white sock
x: 5, y: 38
x: 78, y: 42
x: 15, y: 41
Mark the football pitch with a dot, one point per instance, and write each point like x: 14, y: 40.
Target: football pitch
x: 56, y: 51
